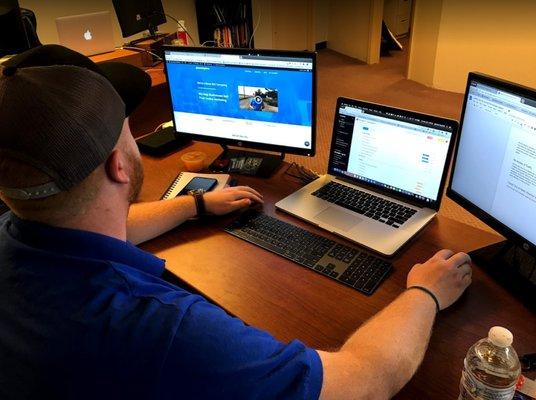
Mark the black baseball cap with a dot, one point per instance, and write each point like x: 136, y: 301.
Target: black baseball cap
x: 62, y: 113
x: 129, y: 81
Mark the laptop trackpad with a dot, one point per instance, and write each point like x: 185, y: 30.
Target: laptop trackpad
x: 338, y: 218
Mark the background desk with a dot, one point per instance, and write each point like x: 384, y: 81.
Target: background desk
x: 290, y: 301
x: 156, y: 107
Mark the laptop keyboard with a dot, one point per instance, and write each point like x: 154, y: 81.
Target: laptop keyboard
x: 346, y: 264
x: 378, y: 208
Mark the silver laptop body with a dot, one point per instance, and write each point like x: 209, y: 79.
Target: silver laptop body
x: 386, y: 174
x: 88, y: 34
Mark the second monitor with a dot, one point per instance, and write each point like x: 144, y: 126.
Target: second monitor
x: 260, y: 99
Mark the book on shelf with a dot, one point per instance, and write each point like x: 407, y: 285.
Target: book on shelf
x: 236, y: 35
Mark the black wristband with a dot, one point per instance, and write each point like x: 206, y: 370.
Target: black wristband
x: 430, y: 293
x: 199, y: 204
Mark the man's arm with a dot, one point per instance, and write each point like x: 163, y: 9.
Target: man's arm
x: 382, y: 355
x: 151, y: 219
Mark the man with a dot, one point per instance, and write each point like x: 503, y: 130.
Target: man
x: 256, y: 103
x: 84, y: 313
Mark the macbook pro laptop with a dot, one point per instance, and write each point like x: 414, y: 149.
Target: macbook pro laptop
x: 386, y: 173
x: 88, y: 34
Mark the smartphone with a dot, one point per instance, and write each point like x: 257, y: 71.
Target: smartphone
x: 207, y: 184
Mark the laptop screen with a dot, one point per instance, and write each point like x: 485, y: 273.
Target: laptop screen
x: 398, y: 151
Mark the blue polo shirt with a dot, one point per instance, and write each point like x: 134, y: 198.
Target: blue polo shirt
x: 84, y: 315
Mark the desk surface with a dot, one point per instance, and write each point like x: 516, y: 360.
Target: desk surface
x: 290, y: 301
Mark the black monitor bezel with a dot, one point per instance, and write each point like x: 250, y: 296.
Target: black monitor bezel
x: 380, y: 189
x: 158, y: 18
x: 261, y: 52
x: 16, y: 41
x: 488, y: 219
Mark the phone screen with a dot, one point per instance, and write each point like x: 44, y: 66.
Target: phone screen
x: 206, y: 184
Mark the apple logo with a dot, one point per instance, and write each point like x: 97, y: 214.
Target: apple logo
x: 87, y: 35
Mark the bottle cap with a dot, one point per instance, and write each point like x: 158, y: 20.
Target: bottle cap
x: 500, y: 337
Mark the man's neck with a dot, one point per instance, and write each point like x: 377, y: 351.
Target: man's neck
x: 99, y: 218
x: 108, y: 222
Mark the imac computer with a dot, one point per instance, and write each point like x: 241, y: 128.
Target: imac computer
x: 136, y: 16
x: 255, y: 99
x: 13, y: 36
x: 494, y: 175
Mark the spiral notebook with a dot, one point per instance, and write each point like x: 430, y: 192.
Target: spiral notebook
x: 184, y: 177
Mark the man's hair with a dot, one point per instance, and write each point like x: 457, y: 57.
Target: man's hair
x: 60, y: 207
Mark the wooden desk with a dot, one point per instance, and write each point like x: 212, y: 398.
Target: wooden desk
x: 289, y: 301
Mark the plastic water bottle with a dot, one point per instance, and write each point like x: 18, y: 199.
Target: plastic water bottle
x: 491, y: 368
x: 182, y: 36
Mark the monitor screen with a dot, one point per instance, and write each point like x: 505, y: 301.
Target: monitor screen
x: 251, y: 98
x: 136, y: 16
x: 392, y: 149
x: 13, y: 37
x: 495, y: 165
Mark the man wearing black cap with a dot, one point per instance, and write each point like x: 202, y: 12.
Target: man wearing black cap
x: 84, y: 313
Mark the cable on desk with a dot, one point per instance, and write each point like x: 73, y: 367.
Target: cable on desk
x: 302, y: 173
x: 143, y: 50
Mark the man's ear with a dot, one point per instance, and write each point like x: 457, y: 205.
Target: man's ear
x: 116, y: 167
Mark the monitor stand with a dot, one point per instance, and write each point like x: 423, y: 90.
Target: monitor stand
x: 512, y: 267
x: 154, y: 37
x: 151, y: 44
x: 247, y: 162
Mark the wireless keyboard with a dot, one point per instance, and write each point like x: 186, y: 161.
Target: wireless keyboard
x: 345, y: 264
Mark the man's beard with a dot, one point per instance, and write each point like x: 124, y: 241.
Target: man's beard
x: 136, y: 178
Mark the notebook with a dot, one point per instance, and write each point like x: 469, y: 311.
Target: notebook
x: 184, y: 177
x: 385, y: 179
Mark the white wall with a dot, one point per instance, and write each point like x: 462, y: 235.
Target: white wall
x: 355, y: 28
x: 321, y: 20
x: 48, y: 10
x: 424, y: 41
x: 496, y: 37
x: 452, y: 37
x: 293, y: 24
x: 262, y: 20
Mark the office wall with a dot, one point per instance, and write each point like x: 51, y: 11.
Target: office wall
x: 495, y: 37
x: 47, y: 11
x: 355, y: 28
x: 262, y: 21
x: 321, y: 20
x: 424, y: 41
x: 284, y: 25
x: 292, y: 24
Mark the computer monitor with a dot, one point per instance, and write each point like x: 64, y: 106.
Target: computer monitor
x: 13, y: 36
x: 260, y: 99
x: 494, y: 169
x: 136, y: 16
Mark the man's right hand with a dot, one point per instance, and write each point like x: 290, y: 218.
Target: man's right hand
x: 230, y: 199
x: 446, y: 275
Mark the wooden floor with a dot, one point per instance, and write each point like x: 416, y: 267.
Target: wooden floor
x: 384, y: 83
